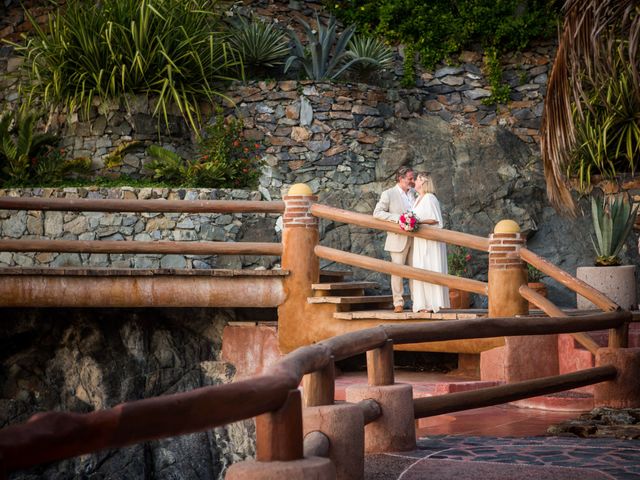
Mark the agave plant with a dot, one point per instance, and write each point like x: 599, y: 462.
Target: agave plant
x: 363, y: 46
x: 326, y: 56
x: 613, y: 218
x: 259, y: 44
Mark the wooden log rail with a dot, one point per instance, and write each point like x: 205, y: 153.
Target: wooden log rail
x: 485, y: 397
x: 430, y: 233
x: 383, y: 266
x: 54, y: 436
x: 160, y: 205
x: 581, y: 288
x: 122, y: 246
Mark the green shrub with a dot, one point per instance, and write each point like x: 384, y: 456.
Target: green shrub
x: 439, y: 28
x: 173, y: 50
x: 27, y: 156
x: 260, y: 45
x: 613, y: 217
x: 225, y: 159
x: 458, y: 259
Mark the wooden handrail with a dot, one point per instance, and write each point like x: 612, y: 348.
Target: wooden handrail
x: 117, y: 246
x: 57, y: 435
x: 587, y: 291
x: 430, y: 233
x: 160, y: 205
x: 553, y: 311
x: 362, y: 261
x: 485, y: 397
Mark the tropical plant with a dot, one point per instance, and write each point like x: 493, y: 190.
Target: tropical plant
x: 173, y: 50
x: 613, y: 218
x: 590, y: 122
x: 533, y: 274
x: 260, y: 45
x: 325, y: 57
x: 21, y: 146
x: 225, y: 159
x: 364, y: 46
x: 458, y: 259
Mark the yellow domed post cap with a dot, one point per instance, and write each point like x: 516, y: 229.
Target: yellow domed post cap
x: 300, y: 189
x: 506, y: 226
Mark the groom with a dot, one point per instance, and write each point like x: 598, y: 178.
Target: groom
x: 394, y: 202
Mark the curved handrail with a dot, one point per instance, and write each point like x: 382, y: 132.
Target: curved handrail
x: 430, y: 233
x: 56, y: 435
x: 160, y: 205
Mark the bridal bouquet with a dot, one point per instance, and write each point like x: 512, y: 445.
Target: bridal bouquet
x: 409, y: 222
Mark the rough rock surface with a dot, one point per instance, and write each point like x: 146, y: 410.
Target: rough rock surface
x: 602, y: 422
x: 82, y: 360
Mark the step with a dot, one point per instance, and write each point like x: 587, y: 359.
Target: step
x: 334, y: 275
x: 408, y: 315
x: 352, y: 300
x: 344, y: 286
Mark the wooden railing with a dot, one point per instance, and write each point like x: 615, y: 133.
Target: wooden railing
x: 54, y: 436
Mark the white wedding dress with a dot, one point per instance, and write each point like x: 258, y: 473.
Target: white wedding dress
x: 429, y: 255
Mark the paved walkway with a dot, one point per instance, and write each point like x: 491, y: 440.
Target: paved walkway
x: 449, y: 457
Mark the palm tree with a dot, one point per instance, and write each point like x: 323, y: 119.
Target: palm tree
x: 595, y: 75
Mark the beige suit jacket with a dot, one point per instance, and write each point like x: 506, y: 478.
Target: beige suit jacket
x: 389, y: 208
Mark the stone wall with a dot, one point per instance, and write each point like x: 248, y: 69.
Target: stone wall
x: 82, y: 360
x: 137, y: 227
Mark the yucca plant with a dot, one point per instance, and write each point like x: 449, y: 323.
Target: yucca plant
x: 173, y: 50
x: 363, y: 46
x: 260, y: 45
x: 325, y: 57
x: 613, y: 218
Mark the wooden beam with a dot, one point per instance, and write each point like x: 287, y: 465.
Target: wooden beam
x: 383, y: 266
x: 371, y: 410
x: 484, y: 397
x: 499, y: 327
x: 587, y: 291
x: 167, y: 247
x: 160, y: 205
x: 316, y: 444
x: 279, y: 433
x: 380, y: 365
x: 430, y: 233
x: 619, y: 337
x: 553, y: 311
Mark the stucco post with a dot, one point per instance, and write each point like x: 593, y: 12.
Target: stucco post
x: 521, y: 358
x: 624, y: 390
x: 299, y: 238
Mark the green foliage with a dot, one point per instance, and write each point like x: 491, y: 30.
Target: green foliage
x: 260, y: 45
x: 114, y: 159
x: 608, y: 126
x: 26, y: 156
x: 363, y: 46
x: 170, y: 49
x: 439, y: 28
x: 613, y: 217
x: 458, y: 259
x: 533, y: 274
x: 409, y: 67
x: 500, y: 92
x: 225, y: 159
x: 326, y: 56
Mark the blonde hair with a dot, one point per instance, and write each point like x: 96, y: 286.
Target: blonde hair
x: 428, y: 185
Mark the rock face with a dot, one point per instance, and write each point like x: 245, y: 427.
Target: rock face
x: 83, y: 360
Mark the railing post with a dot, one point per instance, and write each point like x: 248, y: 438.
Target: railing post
x: 507, y: 273
x: 380, y: 365
x: 279, y: 448
x: 624, y: 390
x: 619, y: 337
x: 319, y: 387
x: 299, y: 238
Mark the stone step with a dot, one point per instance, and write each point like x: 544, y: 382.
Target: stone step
x: 409, y: 315
x: 352, y: 300
x: 344, y: 286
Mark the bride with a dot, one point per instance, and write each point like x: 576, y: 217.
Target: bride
x: 428, y: 254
